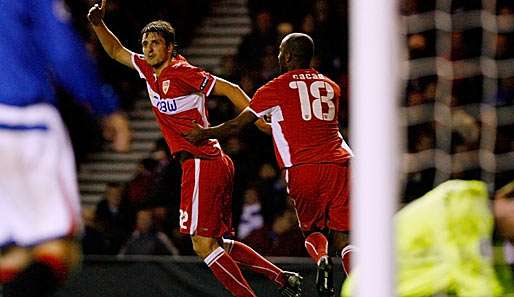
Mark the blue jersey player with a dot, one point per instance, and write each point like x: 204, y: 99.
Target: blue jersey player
x: 39, y: 202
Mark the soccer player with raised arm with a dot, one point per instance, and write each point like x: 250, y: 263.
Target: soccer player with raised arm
x: 39, y: 198
x: 178, y: 92
x: 304, y: 106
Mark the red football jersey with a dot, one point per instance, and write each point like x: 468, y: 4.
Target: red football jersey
x: 178, y: 97
x: 304, y: 108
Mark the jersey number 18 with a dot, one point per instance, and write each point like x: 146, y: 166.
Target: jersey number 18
x: 314, y: 91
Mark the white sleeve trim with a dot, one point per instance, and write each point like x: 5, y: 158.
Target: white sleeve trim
x: 262, y: 113
x: 212, y: 86
x: 136, y: 66
x: 252, y: 111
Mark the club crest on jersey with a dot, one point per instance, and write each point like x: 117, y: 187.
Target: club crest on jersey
x: 165, y: 86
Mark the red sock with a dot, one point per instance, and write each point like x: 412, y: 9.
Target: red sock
x: 8, y: 274
x: 346, y: 257
x: 316, y: 245
x: 243, y: 254
x: 227, y: 273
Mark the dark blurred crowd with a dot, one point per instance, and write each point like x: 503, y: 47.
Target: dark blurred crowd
x: 141, y: 217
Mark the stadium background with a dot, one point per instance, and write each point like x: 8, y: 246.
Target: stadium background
x: 457, y: 112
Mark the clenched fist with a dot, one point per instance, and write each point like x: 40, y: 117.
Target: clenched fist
x: 96, y: 13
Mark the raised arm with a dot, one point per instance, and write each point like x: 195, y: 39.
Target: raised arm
x: 109, y: 41
x: 64, y: 52
x: 239, y: 99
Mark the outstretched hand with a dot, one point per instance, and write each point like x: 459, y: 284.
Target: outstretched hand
x: 97, y: 13
x: 195, y: 135
x: 264, y: 126
x: 116, y: 129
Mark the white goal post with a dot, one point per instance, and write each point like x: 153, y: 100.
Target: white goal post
x: 374, y: 137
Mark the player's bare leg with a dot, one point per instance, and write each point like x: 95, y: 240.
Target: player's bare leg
x: 12, y: 261
x: 289, y: 282
x: 61, y: 255
x: 40, y: 270
x: 222, y: 265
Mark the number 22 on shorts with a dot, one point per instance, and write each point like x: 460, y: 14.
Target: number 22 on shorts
x: 183, y: 219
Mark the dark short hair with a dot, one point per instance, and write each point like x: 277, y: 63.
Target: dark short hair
x: 165, y: 29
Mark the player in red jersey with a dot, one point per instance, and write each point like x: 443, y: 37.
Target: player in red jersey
x: 178, y: 91
x: 304, y: 106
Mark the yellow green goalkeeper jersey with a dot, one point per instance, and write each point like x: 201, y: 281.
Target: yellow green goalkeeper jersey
x: 443, y: 243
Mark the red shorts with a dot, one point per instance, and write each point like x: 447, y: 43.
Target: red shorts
x: 321, y: 195
x: 206, y: 197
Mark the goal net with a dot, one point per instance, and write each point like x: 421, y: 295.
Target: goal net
x: 458, y: 103
x: 456, y: 111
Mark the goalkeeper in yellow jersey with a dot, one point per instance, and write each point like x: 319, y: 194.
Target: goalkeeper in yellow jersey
x: 443, y: 241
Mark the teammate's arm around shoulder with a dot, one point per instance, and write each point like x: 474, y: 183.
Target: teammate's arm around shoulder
x: 239, y: 99
x: 109, y: 41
